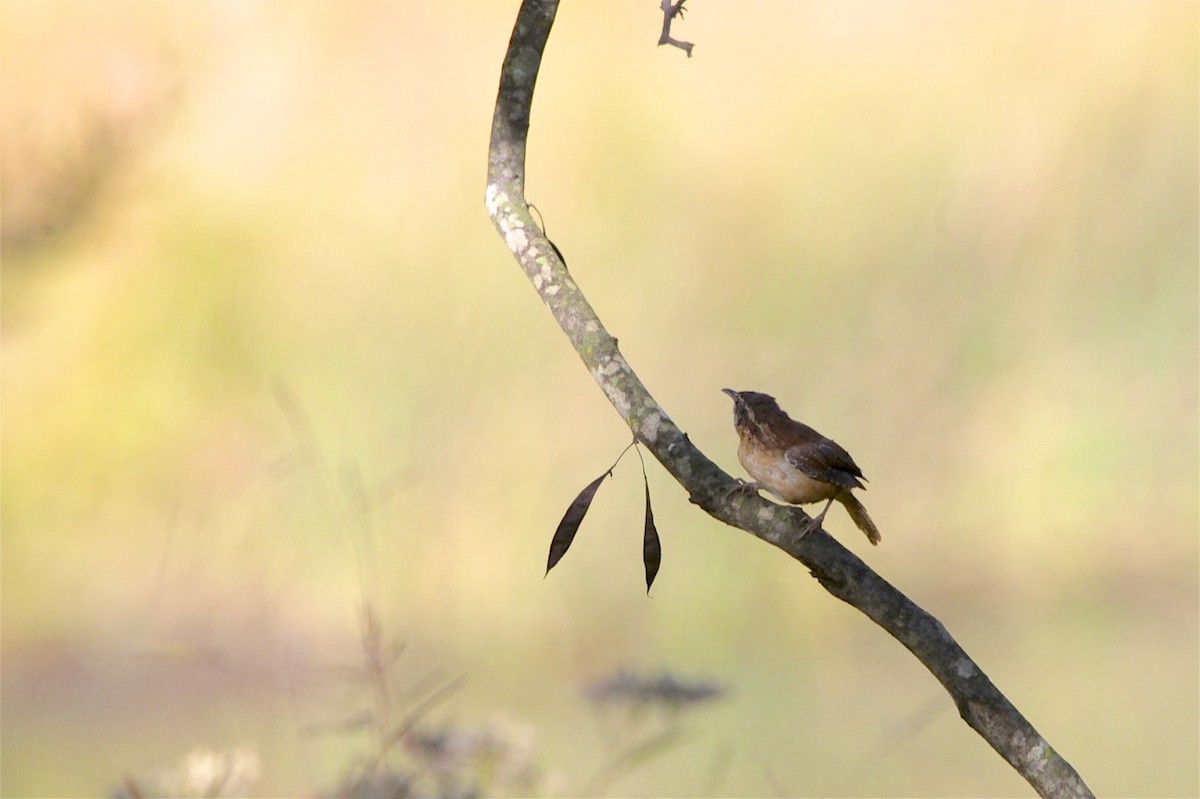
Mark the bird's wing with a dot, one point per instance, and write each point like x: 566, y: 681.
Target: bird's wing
x: 825, y: 460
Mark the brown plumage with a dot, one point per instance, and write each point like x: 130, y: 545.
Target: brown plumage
x: 795, y: 462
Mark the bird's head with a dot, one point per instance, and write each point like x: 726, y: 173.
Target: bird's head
x: 752, y: 410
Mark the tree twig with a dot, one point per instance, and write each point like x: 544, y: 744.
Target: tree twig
x: 839, y: 571
x: 670, y: 11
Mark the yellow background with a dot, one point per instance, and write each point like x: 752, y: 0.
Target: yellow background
x: 264, y: 357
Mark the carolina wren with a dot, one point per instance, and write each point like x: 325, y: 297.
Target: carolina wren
x: 795, y: 462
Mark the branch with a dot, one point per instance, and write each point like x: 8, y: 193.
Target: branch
x: 669, y: 13
x: 838, y: 570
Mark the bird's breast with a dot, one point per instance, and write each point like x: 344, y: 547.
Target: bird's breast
x: 771, y: 470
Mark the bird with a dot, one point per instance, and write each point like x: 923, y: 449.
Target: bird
x: 794, y: 462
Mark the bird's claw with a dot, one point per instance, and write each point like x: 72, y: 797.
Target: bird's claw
x: 745, y: 487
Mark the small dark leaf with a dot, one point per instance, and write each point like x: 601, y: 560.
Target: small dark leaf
x: 542, y: 223
x: 571, y: 520
x: 651, y: 548
x: 557, y: 251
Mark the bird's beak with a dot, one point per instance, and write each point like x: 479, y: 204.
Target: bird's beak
x: 731, y: 393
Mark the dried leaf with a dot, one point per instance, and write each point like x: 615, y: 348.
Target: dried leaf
x: 571, y: 520
x: 557, y: 251
x: 651, y: 548
x: 542, y: 224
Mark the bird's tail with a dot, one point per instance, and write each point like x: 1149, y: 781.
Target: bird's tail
x: 859, y: 514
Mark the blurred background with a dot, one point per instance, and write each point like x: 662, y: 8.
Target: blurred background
x: 267, y: 363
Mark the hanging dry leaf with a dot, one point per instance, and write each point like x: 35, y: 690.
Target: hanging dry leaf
x: 571, y: 520
x: 651, y: 547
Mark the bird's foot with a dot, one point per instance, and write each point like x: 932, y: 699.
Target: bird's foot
x: 814, y: 524
x: 745, y: 487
